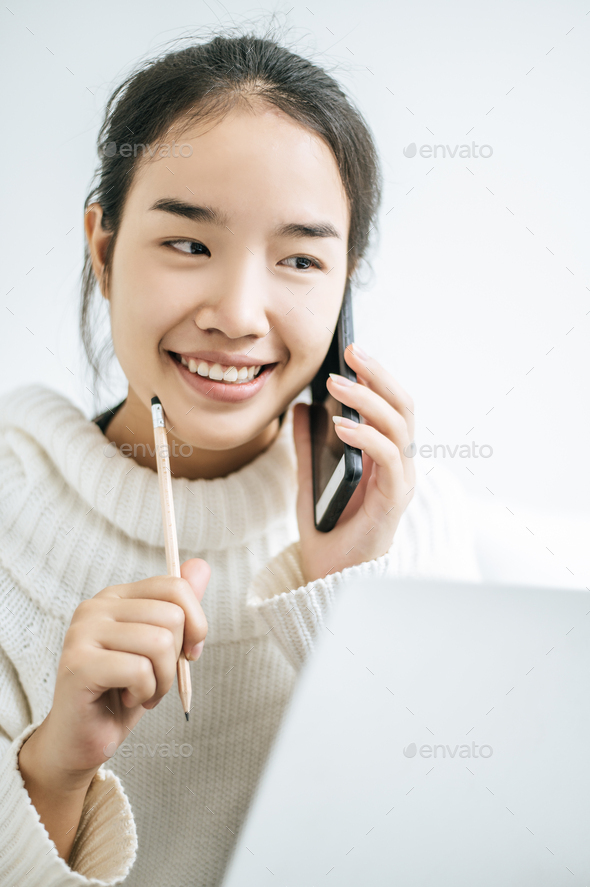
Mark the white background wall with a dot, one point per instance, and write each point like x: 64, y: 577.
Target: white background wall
x: 482, y: 271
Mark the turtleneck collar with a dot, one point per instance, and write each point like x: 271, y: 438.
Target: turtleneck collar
x: 210, y: 514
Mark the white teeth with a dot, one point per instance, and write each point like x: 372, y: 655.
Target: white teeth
x: 219, y: 373
x: 216, y: 372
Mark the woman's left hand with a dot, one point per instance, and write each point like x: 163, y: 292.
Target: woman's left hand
x: 366, y: 527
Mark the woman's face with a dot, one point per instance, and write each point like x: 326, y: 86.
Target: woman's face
x: 234, y: 255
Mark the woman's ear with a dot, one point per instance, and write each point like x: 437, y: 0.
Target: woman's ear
x: 98, y: 241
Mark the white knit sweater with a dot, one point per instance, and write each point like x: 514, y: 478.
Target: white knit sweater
x: 73, y: 520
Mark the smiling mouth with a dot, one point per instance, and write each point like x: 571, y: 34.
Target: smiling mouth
x: 217, y: 372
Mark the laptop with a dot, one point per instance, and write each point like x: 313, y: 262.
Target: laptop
x: 439, y: 735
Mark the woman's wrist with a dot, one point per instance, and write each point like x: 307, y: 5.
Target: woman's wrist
x: 39, y: 768
x: 57, y: 795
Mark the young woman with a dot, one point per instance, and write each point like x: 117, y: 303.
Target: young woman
x: 234, y: 199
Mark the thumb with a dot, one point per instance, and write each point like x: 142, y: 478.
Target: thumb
x: 197, y: 573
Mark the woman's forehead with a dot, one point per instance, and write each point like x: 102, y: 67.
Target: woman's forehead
x: 244, y: 162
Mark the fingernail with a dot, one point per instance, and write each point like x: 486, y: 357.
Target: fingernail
x: 359, y: 352
x: 196, y: 651
x: 149, y: 705
x: 346, y: 423
x: 340, y: 380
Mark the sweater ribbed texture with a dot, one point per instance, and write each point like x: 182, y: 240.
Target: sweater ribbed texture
x: 77, y: 516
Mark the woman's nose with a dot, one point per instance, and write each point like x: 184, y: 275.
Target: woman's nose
x: 236, y: 302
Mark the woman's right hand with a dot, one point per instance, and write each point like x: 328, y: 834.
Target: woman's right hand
x: 119, y: 658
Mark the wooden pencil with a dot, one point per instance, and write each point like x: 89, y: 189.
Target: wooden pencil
x: 170, y: 538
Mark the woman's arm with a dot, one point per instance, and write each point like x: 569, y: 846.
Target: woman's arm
x: 57, y: 798
x: 434, y: 540
x: 32, y: 854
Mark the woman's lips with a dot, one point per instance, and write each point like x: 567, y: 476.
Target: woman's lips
x: 228, y: 392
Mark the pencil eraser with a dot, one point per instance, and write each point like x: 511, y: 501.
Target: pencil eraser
x: 156, y: 400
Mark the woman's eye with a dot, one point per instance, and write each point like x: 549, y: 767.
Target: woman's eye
x: 303, y: 259
x: 190, y: 247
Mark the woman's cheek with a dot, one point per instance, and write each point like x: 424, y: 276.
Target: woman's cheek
x: 135, y: 335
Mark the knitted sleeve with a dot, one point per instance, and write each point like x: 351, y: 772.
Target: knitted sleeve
x: 295, y: 611
x: 434, y: 539
x: 106, y: 842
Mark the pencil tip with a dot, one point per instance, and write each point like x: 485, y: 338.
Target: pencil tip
x: 156, y: 400
x: 186, y: 715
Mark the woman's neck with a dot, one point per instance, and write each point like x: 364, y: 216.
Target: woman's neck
x: 139, y: 443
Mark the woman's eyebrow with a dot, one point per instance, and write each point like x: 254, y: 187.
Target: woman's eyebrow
x: 191, y: 211
x: 197, y: 213
x: 298, y: 229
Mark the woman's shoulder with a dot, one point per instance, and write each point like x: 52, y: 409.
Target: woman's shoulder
x: 36, y: 424
x: 27, y: 405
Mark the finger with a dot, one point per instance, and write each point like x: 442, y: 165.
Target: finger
x: 173, y: 589
x: 149, y: 612
x: 375, y: 410
x: 156, y: 643
x: 386, y: 487
x: 103, y: 670
x: 382, y: 382
x: 153, y: 642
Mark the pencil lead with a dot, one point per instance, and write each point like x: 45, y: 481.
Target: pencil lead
x: 186, y: 715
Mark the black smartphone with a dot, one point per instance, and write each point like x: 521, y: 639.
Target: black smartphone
x: 337, y: 467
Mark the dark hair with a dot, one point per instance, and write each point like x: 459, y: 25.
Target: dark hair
x: 204, y: 81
